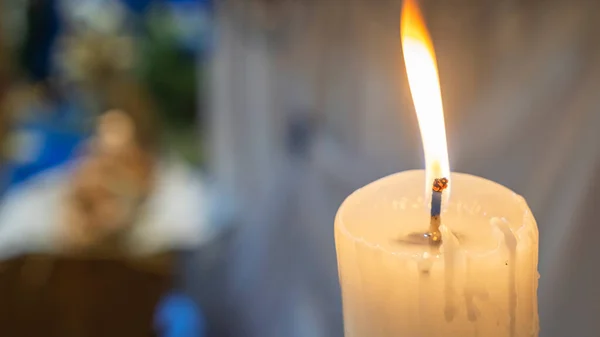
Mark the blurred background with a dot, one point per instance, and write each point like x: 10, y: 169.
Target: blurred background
x: 252, y: 120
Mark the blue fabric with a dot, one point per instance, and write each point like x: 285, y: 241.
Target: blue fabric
x: 55, y: 148
x: 140, y: 6
x: 178, y: 315
x: 202, y: 2
x: 137, y: 6
x: 193, y: 24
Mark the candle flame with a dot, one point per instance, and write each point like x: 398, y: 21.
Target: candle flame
x: 423, y: 80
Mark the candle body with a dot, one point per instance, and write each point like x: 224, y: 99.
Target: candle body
x: 482, y: 280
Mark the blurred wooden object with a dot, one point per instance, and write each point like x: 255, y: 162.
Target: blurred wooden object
x: 69, y: 297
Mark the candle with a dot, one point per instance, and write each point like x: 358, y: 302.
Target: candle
x: 421, y: 264
x: 481, y: 281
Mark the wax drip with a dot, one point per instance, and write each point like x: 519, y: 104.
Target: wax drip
x: 424, y: 264
x: 451, y: 247
x: 472, y: 292
x: 511, y: 245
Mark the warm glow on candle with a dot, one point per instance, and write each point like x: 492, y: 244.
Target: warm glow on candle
x: 474, y: 274
x: 421, y: 68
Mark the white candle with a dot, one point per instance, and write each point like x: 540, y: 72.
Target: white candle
x: 482, y: 280
x: 406, y: 271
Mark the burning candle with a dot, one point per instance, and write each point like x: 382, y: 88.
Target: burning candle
x: 421, y: 264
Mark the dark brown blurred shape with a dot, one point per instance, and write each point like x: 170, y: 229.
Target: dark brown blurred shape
x: 64, y: 297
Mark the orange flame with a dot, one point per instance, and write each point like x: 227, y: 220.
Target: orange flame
x: 423, y: 79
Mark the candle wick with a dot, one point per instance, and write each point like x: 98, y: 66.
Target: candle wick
x: 439, y: 185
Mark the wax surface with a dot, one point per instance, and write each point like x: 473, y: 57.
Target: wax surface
x: 482, y: 280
